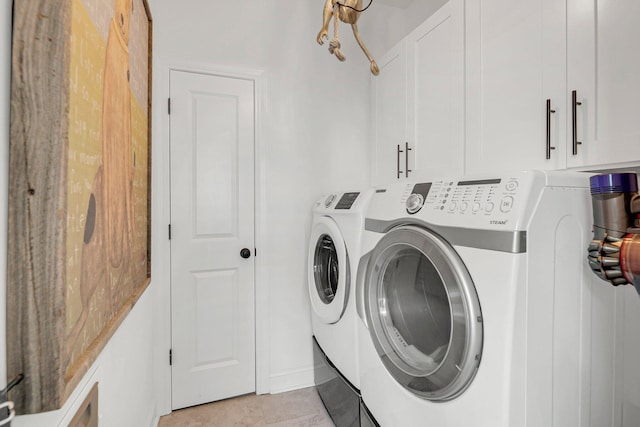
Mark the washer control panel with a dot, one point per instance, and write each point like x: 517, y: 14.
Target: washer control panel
x: 347, y: 200
x: 343, y: 201
x: 496, y: 196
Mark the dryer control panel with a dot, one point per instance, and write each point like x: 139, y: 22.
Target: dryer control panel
x: 347, y: 200
x: 497, y: 202
x: 483, y: 202
x: 480, y: 196
x: 343, y: 201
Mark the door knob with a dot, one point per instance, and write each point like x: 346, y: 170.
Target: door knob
x: 245, y: 253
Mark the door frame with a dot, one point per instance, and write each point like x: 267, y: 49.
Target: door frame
x: 161, y: 218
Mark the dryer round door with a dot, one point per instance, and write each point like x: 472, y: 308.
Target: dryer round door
x: 328, y: 271
x: 424, y: 314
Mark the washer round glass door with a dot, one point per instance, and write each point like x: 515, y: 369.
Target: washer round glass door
x: 328, y: 274
x: 423, y: 313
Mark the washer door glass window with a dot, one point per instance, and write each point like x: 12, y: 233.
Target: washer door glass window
x: 424, y: 314
x: 328, y: 273
x: 326, y: 269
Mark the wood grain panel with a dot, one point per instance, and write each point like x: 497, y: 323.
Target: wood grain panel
x: 66, y: 295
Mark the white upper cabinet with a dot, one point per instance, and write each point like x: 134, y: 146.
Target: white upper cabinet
x: 436, y: 113
x: 525, y: 60
x: 390, y: 115
x: 418, y: 102
x: 603, y: 68
x: 515, y: 62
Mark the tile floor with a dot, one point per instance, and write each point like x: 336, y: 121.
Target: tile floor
x: 299, y: 408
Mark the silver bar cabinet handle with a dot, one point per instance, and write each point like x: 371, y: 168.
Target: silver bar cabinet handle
x: 406, y: 159
x: 549, y: 111
x: 398, y: 163
x: 574, y: 119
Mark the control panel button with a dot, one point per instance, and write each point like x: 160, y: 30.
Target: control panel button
x: 489, y: 207
x: 414, y: 203
x: 475, y: 207
x: 330, y: 198
x: 453, y: 206
x: 464, y: 206
x: 506, y: 204
x: 511, y: 185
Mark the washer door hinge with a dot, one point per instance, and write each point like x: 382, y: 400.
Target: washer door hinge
x: 170, y: 357
x: 169, y: 231
x: 169, y: 106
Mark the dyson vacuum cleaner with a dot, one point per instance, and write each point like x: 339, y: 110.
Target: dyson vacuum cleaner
x: 614, y: 252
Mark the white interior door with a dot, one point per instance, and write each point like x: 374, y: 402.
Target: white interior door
x: 212, y: 221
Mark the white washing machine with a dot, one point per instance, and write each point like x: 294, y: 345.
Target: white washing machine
x: 334, y: 251
x: 476, y: 306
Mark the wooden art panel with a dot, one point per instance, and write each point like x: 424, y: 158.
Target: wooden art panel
x: 79, y: 187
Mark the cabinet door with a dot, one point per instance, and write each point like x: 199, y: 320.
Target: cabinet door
x: 436, y: 103
x: 604, y: 70
x: 389, y: 115
x: 516, y: 57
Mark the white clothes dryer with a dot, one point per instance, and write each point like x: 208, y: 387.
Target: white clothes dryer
x: 334, y: 250
x: 476, y: 305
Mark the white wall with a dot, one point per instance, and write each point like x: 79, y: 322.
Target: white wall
x: 314, y: 138
x: 124, y: 369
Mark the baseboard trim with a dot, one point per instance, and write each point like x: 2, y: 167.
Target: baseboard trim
x: 291, y: 380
